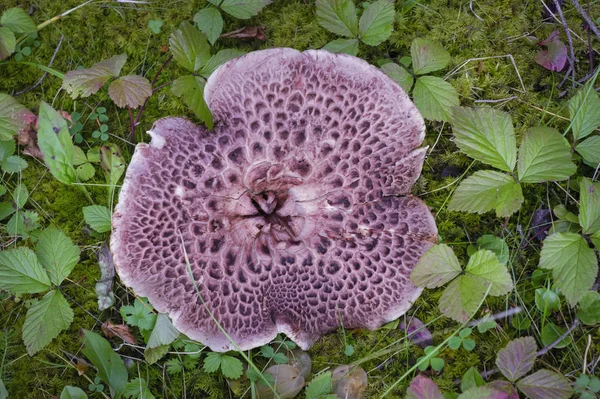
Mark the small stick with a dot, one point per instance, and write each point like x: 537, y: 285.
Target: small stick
x: 39, y: 82
x: 569, y: 39
x: 557, y: 341
x: 587, y: 18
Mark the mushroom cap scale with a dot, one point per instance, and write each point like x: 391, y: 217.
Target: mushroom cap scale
x: 288, y: 210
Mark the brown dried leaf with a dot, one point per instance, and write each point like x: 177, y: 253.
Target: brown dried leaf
x: 118, y: 330
x: 247, y: 33
x: 82, y: 366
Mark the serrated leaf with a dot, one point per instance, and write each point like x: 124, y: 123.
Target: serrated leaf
x: 191, y: 90
x: 85, y: 82
x: 482, y: 392
x: 589, y: 149
x: 588, y: 311
x: 545, y: 384
x: 6, y: 209
x: 45, y: 320
x: 376, y: 22
x: 573, y: 263
x: 212, y: 362
x: 163, y: 333
x: 70, y: 392
x: 153, y: 355
x: 13, y: 116
x: 435, y: 98
x: 85, y: 172
x: 544, y: 155
x: 320, y: 385
x: 18, y: 21
x: 98, y: 217
x: 486, y: 190
x: 436, y: 267
x: 14, y: 164
x: 338, y: 16
x: 495, y: 244
x: 21, y: 272
x: 55, y: 144
x: 111, y: 368
x: 517, y: 358
x: 422, y: 387
x: 22, y: 222
x: 584, y: 110
x: 343, y: 46
x: 154, y: 25
x: 218, y: 59
x: 210, y: 22
x: 139, y: 315
x: 243, y: 9
x: 7, y: 148
x: 130, y: 91
x: 137, y: 388
x: 20, y: 195
x: 486, y: 266
x: 589, y: 209
x: 57, y: 254
x: 8, y: 42
x: 398, y: 75
x: 189, y: 47
x: 487, y: 135
x: 428, y: 56
x: 461, y: 298
x: 231, y: 367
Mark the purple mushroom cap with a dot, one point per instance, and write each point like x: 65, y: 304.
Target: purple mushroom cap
x: 294, y: 211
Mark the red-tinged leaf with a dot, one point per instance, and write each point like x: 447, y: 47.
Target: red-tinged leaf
x: 14, y: 117
x: 247, y: 33
x: 422, y: 387
x: 122, y: 331
x: 131, y: 91
x: 416, y: 332
x: 85, y: 82
x: 517, y: 358
x: 506, y: 387
x: 545, y: 384
x: 483, y: 392
x: 554, y: 56
x: 82, y: 366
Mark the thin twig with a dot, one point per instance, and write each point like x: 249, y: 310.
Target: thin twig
x: 587, y: 18
x: 545, y: 350
x: 39, y: 82
x: 569, y: 39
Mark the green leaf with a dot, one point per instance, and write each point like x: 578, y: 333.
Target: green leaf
x: 231, y: 367
x: 544, y: 155
x: 111, y: 368
x: 155, y: 25
x: 470, y: 379
x: 13, y: 116
x: 596, y: 239
x: 163, y: 333
x: 573, y: 263
x: 218, y: 59
x: 70, y: 392
x: 113, y: 165
x: 377, y: 22
x: 22, y: 222
x: 8, y: 42
x: 17, y: 20
x: 189, y: 47
x: 98, y: 217
x: 319, y: 385
x: 210, y: 22
x: 398, y: 75
x: 85, y: 82
x: 486, y: 190
x: 45, y: 320
x: 436, y: 267
x: 435, y: 98
x: 55, y: 144
x: 584, y: 109
x: 139, y: 315
x: 57, y: 254
x: 7, y: 147
x: 338, y: 16
x: 14, y: 164
x: 428, y: 56
x: 212, y: 362
x: 243, y: 9
x: 130, y: 91
x: 589, y: 209
x: 589, y: 308
x: 551, y: 332
x: 486, y: 266
x: 153, y: 355
x: 137, y: 388
x: 589, y: 149
x: 6, y: 209
x: 343, y: 46
x: 487, y: 135
x: 191, y: 90
x: 85, y: 172
x: 21, y: 272
x: 495, y: 244
x: 20, y: 195
x: 547, y: 301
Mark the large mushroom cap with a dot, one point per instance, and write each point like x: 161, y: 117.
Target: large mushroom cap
x: 288, y: 211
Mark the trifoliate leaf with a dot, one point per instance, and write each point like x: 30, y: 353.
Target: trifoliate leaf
x: 45, y: 320
x: 85, y: 82
x: 21, y: 272
x: 545, y: 384
x: 57, y: 254
x: 212, y: 362
x: 191, y: 90
x: 243, y: 9
x: 338, y: 16
x: 343, y: 46
x: 486, y: 190
x: 495, y: 244
x: 163, y: 333
x: 55, y: 143
x: 139, y: 315
x: 218, y: 59
x: 154, y: 25
x: 13, y: 116
x: 8, y: 42
x: 70, y: 392
x: 428, y: 56
x: 18, y: 21
x: 111, y: 368
x: 486, y: 266
x: 487, y: 135
x: 573, y: 263
x: 517, y: 358
x: 398, y: 75
x: 436, y: 267
x: 589, y: 209
x: 588, y: 310
x: 189, y: 47
x: 130, y: 91
x: 435, y: 97
x: 377, y: 22
x: 137, y: 388
x: 14, y: 164
x: 210, y: 22
x: 231, y: 367
x: 584, y: 110
x: 544, y: 155
x: 98, y: 217
x: 589, y: 149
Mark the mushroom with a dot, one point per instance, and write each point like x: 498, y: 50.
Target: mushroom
x: 294, y: 212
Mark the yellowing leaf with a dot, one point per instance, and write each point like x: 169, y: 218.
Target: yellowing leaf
x: 85, y: 82
x: 544, y: 155
x: 461, y: 298
x: 13, y: 117
x: 131, y: 91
